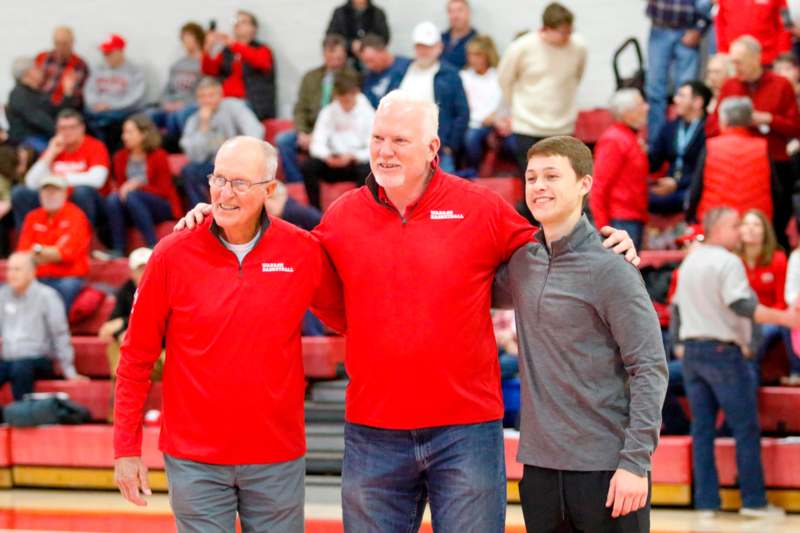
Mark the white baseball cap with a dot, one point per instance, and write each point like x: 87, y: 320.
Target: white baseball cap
x: 139, y: 257
x: 426, y: 33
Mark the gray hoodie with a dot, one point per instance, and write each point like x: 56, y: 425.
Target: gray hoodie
x: 122, y: 87
x: 593, y: 369
x: 231, y: 118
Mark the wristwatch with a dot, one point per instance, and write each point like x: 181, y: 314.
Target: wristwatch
x: 37, y: 248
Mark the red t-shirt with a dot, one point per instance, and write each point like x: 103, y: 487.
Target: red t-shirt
x: 90, y: 153
x: 68, y: 230
x: 768, y: 281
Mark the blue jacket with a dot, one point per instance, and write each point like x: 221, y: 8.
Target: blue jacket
x: 455, y: 52
x: 664, y: 148
x: 453, y: 107
x: 377, y: 84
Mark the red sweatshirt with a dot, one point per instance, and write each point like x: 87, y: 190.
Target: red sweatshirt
x: 159, y: 177
x: 759, y: 18
x: 768, y: 281
x: 68, y: 230
x: 620, y: 177
x: 771, y: 93
x: 417, y: 292
x: 233, y: 379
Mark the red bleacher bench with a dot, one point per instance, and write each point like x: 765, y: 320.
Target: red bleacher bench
x: 510, y: 188
x: 513, y: 468
x: 328, y: 192
x: 591, y: 123
x: 322, y: 356
x: 176, y: 163
x: 779, y: 409
x: 91, y: 357
x: 136, y: 240
x: 92, y: 324
x: 5, y: 446
x: 113, y: 272
x: 275, y: 126
x: 672, y: 460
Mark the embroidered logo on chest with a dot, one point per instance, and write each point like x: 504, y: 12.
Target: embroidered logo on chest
x: 445, y: 215
x: 276, y: 267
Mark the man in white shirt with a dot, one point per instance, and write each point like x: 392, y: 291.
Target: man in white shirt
x: 339, y: 146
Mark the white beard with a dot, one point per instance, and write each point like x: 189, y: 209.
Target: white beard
x: 389, y: 182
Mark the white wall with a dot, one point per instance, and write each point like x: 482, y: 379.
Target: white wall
x: 294, y: 30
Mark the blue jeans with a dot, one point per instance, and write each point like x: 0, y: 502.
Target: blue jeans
x: 67, y: 287
x: 389, y: 475
x: 286, y: 143
x: 22, y: 373
x: 669, y: 204
x: 666, y: 55
x: 171, y: 121
x: 716, y: 375
x: 475, y: 146
x: 634, y: 228
x: 144, y: 209
x: 195, y: 181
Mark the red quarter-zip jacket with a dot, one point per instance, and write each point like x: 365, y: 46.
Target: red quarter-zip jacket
x: 421, y: 350
x: 233, y: 380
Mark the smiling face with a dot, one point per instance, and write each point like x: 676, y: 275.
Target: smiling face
x: 552, y: 190
x: 752, y: 230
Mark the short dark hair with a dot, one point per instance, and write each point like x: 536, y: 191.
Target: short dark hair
x: 195, y: 30
x: 345, y: 81
x: 373, y: 40
x: 578, y: 154
x: 70, y: 113
x: 250, y: 15
x: 786, y: 57
x: 333, y: 40
x: 699, y: 89
x: 555, y: 15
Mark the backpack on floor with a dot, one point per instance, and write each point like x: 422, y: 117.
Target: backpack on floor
x: 31, y: 412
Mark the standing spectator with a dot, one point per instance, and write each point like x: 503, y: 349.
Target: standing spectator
x: 775, y: 117
x: 429, y: 79
x: 354, y: 20
x: 217, y: 119
x: 340, y: 141
x: 765, y: 264
x: 539, y: 74
x: 734, y: 169
x: 715, y: 307
x: 80, y: 158
x: 459, y: 34
x: 316, y: 92
x: 718, y: 70
x: 178, y: 98
x: 485, y: 100
x: 244, y: 65
x: 63, y: 68
x: 619, y: 195
x: 33, y: 326
x: 30, y: 113
x: 383, y: 71
x: 763, y: 19
x: 58, y: 236
x: 143, y: 182
x: 679, y: 143
x: 673, y: 48
x: 114, y: 90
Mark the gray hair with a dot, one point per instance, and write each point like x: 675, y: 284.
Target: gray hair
x: 207, y: 82
x: 711, y: 218
x: 21, y: 66
x: 430, y: 109
x: 736, y: 111
x: 749, y: 42
x: 623, y: 101
x: 268, y: 152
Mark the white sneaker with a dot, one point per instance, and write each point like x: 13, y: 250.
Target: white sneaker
x: 705, y: 514
x: 770, y: 511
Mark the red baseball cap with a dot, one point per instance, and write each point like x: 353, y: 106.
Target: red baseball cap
x: 692, y: 233
x: 112, y: 42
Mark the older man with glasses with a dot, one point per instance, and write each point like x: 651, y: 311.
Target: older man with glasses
x: 232, y: 428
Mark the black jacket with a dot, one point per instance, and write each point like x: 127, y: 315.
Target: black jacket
x: 259, y: 86
x: 30, y: 113
x: 351, y: 24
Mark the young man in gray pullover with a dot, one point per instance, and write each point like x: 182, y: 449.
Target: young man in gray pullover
x: 593, y: 368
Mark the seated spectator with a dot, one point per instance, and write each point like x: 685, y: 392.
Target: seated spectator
x: 34, y: 328
x: 63, y: 68
x: 382, y: 69
x: 31, y: 115
x: 619, y: 193
x: 283, y: 206
x: 79, y: 158
x: 316, y: 91
x: 765, y: 264
x: 485, y: 98
x: 58, y: 237
x: 216, y: 120
x: 459, y: 34
x: 786, y: 65
x: 340, y: 142
x: 143, y: 182
x: 178, y: 98
x: 354, y: 20
x: 763, y: 19
x: 244, y: 65
x: 679, y: 143
x: 429, y: 79
x: 734, y: 168
x: 114, y: 90
x: 718, y: 70
x: 113, y: 330
x: 14, y: 163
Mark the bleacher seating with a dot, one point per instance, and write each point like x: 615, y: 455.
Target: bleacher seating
x: 510, y: 188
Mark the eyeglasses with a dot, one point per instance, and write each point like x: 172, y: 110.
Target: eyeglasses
x: 241, y: 186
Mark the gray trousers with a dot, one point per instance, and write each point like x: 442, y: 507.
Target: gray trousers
x: 205, y: 498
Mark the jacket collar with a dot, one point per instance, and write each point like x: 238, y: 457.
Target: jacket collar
x: 216, y: 231
x: 582, y: 231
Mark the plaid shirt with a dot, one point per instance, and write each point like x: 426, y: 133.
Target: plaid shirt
x: 54, y: 71
x: 676, y: 14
